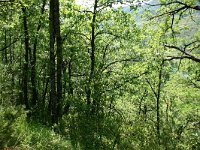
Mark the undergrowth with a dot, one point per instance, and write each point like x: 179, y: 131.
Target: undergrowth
x: 18, y: 133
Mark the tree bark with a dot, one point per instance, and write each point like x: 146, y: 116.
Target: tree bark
x: 34, y: 58
x: 5, y: 52
x: 55, y: 79
x: 27, y: 49
x: 158, y: 100
x: 92, y: 55
x: 53, y: 99
x: 59, y: 59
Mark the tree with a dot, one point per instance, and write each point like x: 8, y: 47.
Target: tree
x: 180, y: 11
x: 56, y: 85
x: 26, y: 63
x: 101, y: 75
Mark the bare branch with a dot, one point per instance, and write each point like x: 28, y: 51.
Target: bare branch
x: 195, y: 85
x: 172, y: 12
x: 107, y: 46
x: 169, y: 58
x: 186, y: 45
x: 196, y: 7
x: 165, y: 4
x: 153, y: 90
x: 183, y: 6
x: 188, y: 54
x: 84, y: 11
x: 5, y: 1
x: 119, y: 61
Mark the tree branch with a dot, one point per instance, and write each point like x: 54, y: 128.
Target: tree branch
x: 188, y: 54
x: 118, y: 61
x: 183, y: 6
x: 7, y: 46
x: 153, y: 90
x: 196, y: 7
x: 4, y: 1
x: 170, y: 12
x: 169, y: 58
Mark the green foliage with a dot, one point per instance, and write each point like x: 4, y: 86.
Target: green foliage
x: 17, y: 133
x: 133, y: 63
x: 11, y: 126
x: 40, y: 137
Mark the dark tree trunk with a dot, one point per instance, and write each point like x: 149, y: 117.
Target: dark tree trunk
x: 11, y: 51
x: 141, y: 101
x: 92, y: 55
x: 55, y: 93
x: 27, y: 49
x: 33, y: 61
x: 59, y: 59
x: 158, y: 100
x: 5, y: 51
x: 67, y: 77
x: 157, y: 93
x: 53, y: 99
x: 11, y: 63
x: 70, y: 91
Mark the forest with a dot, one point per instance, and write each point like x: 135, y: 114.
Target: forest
x: 100, y: 74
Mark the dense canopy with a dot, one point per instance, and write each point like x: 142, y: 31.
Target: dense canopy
x: 100, y: 74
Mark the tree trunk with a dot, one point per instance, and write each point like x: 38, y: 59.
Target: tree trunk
x: 59, y: 59
x: 55, y: 79
x: 33, y: 61
x: 92, y: 54
x: 27, y: 49
x: 158, y: 100
x: 53, y: 99
x: 5, y: 52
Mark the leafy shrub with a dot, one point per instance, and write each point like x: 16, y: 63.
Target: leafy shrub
x: 11, y: 125
x: 16, y: 132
